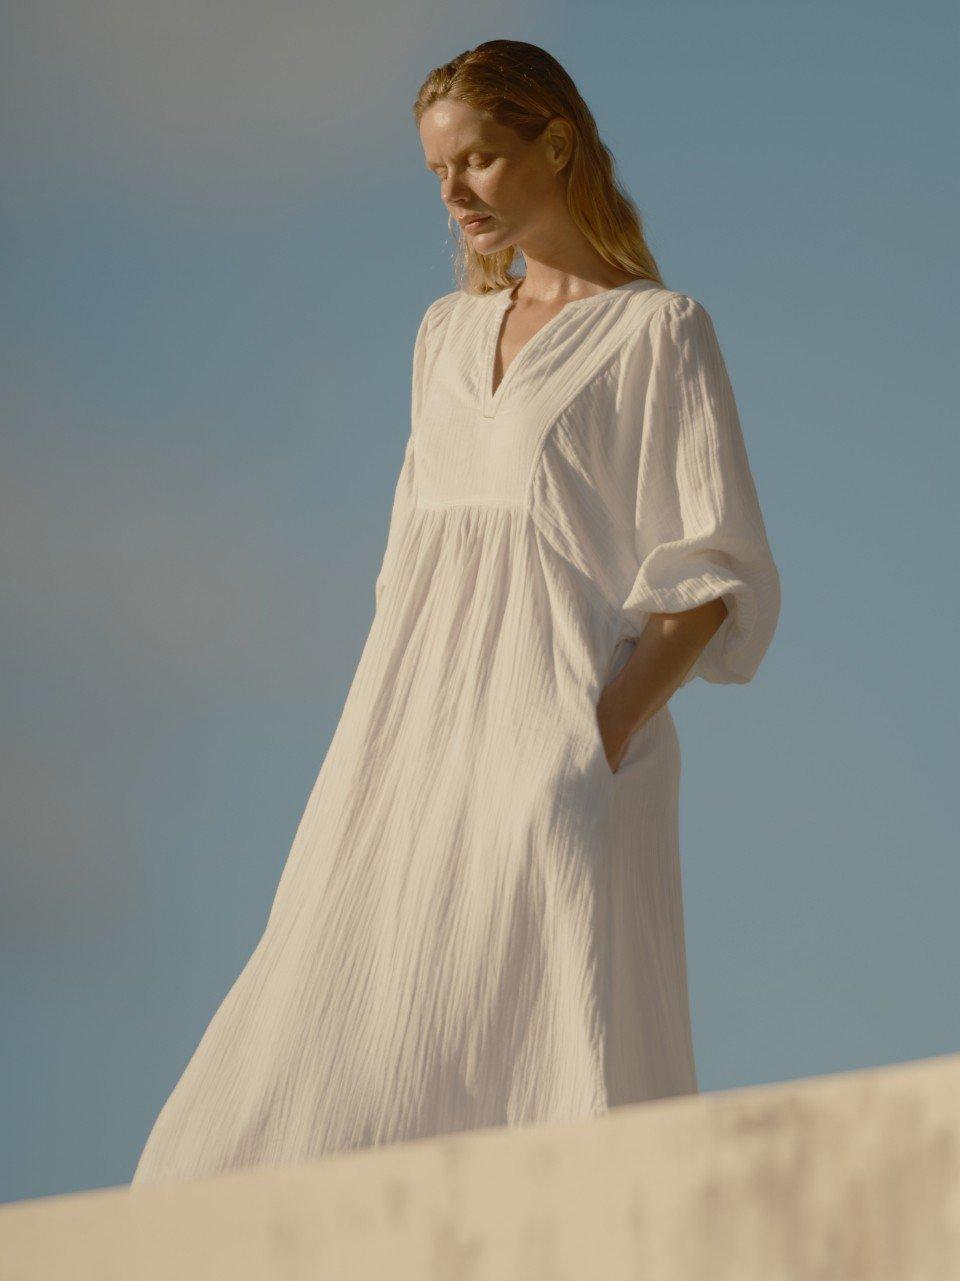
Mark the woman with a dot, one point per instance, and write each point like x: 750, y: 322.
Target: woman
x: 480, y: 919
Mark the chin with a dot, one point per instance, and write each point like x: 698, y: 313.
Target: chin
x: 490, y: 242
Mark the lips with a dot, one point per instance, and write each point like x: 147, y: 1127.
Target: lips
x: 474, y: 220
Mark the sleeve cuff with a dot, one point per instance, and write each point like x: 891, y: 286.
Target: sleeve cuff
x: 667, y: 585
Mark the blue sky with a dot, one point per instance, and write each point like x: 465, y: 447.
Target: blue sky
x: 219, y: 238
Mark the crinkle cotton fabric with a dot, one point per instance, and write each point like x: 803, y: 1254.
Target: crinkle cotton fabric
x: 479, y: 923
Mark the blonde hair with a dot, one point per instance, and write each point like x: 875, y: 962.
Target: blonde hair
x: 522, y: 87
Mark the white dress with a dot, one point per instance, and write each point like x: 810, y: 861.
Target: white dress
x: 479, y: 923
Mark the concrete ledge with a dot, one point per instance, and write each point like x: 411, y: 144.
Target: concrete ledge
x: 853, y: 1176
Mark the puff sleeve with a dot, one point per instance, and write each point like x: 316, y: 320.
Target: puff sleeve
x: 404, y: 496
x: 698, y: 529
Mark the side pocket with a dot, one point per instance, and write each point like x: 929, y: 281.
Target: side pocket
x: 619, y: 656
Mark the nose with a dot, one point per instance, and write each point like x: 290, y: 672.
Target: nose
x: 452, y: 189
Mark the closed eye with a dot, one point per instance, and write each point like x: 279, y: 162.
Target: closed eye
x: 476, y: 162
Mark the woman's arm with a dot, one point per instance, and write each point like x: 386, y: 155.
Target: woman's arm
x: 699, y: 532
x: 668, y: 646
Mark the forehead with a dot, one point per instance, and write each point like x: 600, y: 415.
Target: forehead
x: 449, y: 128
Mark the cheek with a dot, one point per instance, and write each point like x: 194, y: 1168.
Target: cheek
x: 511, y: 195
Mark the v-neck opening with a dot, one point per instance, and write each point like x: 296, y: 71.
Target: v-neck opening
x: 490, y: 399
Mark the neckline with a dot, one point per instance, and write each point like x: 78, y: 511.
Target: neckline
x: 503, y: 299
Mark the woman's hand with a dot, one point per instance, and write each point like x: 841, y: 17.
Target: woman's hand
x: 665, y: 651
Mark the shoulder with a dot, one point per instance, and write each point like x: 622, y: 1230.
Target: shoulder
x: 445, y: 303
x: 433, y: 322
x: 672, y: 308
x: 672, y: 343
x: 430, y: 335
x: 439, y: 311
x: 671, y: 322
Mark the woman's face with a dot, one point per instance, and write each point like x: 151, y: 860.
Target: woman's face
x: 486, y: 169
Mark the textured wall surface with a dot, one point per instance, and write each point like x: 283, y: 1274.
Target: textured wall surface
x: 853, y: 1176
